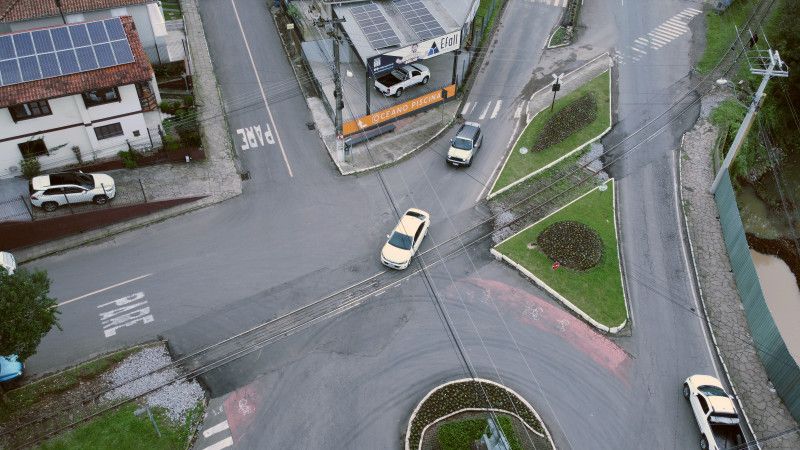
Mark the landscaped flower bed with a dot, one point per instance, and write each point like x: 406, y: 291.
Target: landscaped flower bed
x: 468, y: 394
x: 572, y: 244
x: 567, y: 121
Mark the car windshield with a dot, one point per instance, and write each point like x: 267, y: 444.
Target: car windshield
x: 400, y: 240
x: 462, y: 144
x: 712, y: 391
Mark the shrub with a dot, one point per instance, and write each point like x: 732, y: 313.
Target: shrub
x: 130, y: 158
x: 30, y: 167
x: 170, y: 106
x: 188, y: 101
x: 171, y: 143
x: 567, y: 121
x: 293, y: 12
x: 572, y: 244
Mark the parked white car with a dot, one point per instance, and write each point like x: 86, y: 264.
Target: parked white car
x: 406, y: 238
x: 58, y: 189
x: 8, y: 262
x: 402, y: 78
x: 714, y: 412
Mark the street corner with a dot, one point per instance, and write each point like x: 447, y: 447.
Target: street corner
x: 529, y: 310
x: 228, y: 418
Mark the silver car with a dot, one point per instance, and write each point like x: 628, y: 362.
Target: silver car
x: 57, y: 189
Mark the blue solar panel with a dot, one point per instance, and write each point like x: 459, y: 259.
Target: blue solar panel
x: 9, y: 71
x: 24, y: 44
x: 30, y: 68
x: 115, y: 30
x: 80, y: 36
x: 86, y: 58
x: 63, y: 50
x: 68, y: 62
x: 97, y: 32
x: 6, y: 48
x: 49, y: 65
x: 41, y: 39
x: 104, y: 55
x: 61, y: 38
x: 122, y: 51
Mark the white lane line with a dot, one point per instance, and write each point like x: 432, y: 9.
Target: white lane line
x: 660, y: 39
x: 672, y: 29
x: 222, y: 426
x: 677, y: 24
x: 637, y: 50
x: 661, y: 29
x: 692, y: 10
x: 104, y: 289
x: 225, y: 443
x: 641, y: 41
x: 261, y: 88
x: 485, y: 110
x: 466, y: 108
x: 496, y: 109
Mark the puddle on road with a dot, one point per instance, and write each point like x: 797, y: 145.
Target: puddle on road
x: 782, y: 296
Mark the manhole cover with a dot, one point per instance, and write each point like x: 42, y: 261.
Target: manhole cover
x: 310, y: 125
x: 245, y: 175
x: 523, y: 150
x: 602, y: 187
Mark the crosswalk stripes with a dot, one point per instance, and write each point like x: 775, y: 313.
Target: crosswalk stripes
x: 214, y: 430
x: 496, y: 109
x: 558, y: 3
x: 493, y: 109
x: 663, y: 34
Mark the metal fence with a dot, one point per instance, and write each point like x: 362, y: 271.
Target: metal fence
x: 780, y: 366
x: 129, y: 191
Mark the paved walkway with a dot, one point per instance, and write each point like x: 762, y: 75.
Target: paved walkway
x: 764, y: 409
x: 216, y: 178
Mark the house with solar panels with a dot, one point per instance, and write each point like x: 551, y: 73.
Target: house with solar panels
x: 73, y: 93
x: 22, y: 15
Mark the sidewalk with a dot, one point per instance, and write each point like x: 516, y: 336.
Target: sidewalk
x: 216, y: 179
x: 766, y: 413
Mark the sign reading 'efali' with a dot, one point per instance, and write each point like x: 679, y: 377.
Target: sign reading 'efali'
x: 381, y: 64
x: 393, y: 112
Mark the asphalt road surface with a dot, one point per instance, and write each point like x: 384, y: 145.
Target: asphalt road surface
x: 300, y: 231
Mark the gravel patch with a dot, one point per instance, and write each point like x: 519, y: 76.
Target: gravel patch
x: 596, y: 150
x: 177, y: 398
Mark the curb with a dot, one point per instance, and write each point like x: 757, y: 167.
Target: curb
x: 501, y: 257
x: 492, y: 193
x: 480, y: 380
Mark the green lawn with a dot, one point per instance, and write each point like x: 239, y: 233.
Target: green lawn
x: 172, y: 9
x: 597, y: 291
x: 519, y: 166
x: 461, y: 434
x: 559, y: 37
x: 721, y: 33
x: 121, y: 429
x: 483, y: 8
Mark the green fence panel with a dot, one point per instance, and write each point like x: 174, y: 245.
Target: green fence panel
x: 780, y: 366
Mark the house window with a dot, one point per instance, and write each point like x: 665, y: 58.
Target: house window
x: 33, y: 148
x: 30, y: 110
x: 100, y: 96
x: 108, y: 131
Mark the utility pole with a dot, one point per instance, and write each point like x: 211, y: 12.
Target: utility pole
x: 775, y: 67
x: 337, y: 78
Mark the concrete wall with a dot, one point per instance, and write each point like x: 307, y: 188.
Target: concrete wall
x: 78, y: 122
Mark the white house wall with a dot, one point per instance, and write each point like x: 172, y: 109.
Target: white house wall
x: 70, y: 113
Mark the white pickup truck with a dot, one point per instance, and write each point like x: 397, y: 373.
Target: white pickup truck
x: 402, y: 78
x: 714, y: 412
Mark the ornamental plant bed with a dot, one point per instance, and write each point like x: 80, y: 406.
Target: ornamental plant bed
x: 551, y: 136
x: 597, y: 291
x: 147, y: 159
x: 468, y: 394
x: 461, y: 434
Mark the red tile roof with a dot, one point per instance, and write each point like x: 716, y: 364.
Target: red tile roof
x: 138, y: 70
x: 18, y: 10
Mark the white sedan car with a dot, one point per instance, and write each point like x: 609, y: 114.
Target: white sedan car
x: 405, y: 239
x: 58, y: 189
x: 714, y: 412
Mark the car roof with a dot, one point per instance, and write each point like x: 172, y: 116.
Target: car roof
x: 721, y: 404
x: 468, y: 130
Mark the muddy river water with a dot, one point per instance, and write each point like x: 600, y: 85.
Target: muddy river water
x: 782, y: 296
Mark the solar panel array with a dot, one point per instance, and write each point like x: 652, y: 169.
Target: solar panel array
x: 62, y: 50
x: 419, y: 18
x: 374, y: 25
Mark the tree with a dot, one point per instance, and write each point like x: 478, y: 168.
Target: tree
x: 27, y: 312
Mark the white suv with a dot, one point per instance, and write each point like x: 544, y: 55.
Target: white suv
x: 57, y: 189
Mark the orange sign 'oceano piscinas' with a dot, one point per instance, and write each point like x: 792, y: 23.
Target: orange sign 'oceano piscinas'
x: 385, y: 115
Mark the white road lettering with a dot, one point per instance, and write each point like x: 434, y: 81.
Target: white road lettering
x: 129, y: 311
x: 252, y: 137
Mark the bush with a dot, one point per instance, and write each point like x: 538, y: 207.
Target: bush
x: 171, y: 143
x: 170, y: 106
x: 567, y: 121
x: 30, y: 167
x: 130, y: 158
x: 572, y: 244
x: 188, y: 101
